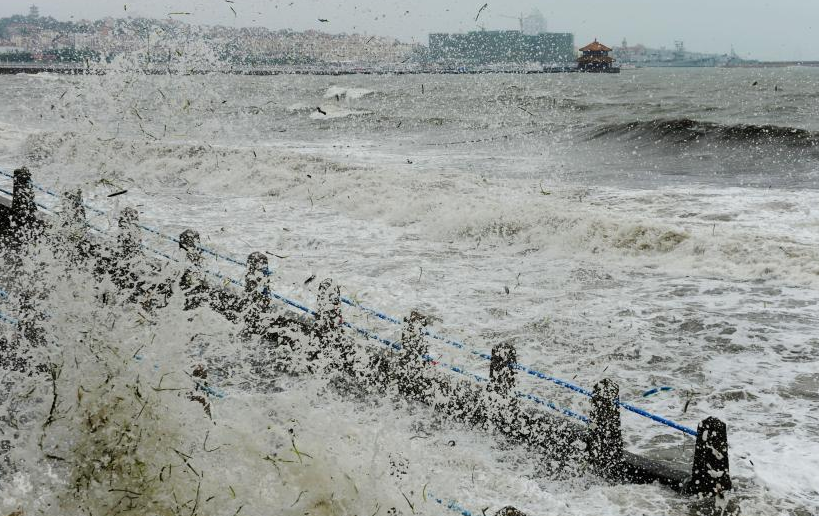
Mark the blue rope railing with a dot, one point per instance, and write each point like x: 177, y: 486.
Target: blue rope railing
x: 452, y: 505
x: 528, y: 370
x: 398, y: 346
x: 218, y: 393
x: 381, y: 315
x: 149, y: 229
x: 211, y: 391
x: 39, y: 205
x: 8, y: 319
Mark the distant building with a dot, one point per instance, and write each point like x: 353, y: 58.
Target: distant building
x: 502, y: 46
x: 533, y: 24
x: 642, y: 56
x: 34, y: 11
x: 595, y: 58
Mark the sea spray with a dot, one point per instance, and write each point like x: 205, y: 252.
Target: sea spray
x: 728, y: 313
x: 116, y: 413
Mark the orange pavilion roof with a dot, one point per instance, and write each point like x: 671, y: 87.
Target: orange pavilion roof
x: 595, y: 47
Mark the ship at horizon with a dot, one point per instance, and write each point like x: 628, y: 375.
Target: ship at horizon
x: 640, y: 56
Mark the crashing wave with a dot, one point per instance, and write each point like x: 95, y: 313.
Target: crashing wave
x: 687, y: 131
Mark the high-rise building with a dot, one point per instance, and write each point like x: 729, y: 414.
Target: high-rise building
x: 533, y: 24
x: 502, y: 46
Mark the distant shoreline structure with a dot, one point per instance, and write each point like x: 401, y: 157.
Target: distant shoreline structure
x: 78, y: 69
x: 153, y: 44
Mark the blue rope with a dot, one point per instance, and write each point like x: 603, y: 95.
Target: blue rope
x: 39, y: 205
x: 462, y: 346
x: 658, y: 419
x: 456, y: 344
x: 452, y: 505
x: 8, y: 320
x: 532, y: 372
x: 38, y: 187
x: 141, y: 226
x: 397, y: 346
x: 480, y: 379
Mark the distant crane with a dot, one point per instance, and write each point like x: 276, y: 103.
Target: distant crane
x: 532, y: 24
x: 518, y: 18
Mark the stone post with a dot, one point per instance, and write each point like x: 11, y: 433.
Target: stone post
x: 129, y: 238
x: 256, y: 277
x: 257, y: 301
x: 502, y: 369
x: 193, y: 283
x: 23, y: 220
x: 605, y: 445
x: 73, y: 224
x: 710, y: 474
x: 73, y: 210
x: 123, y: 264
x: 328, y: 310
x: 329, y: 329
x: 412, y: 361
x: 190, y: 242
x: 502, y: 405
x: 415, y: 347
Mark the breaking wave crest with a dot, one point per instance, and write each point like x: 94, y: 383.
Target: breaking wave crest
x: 562, y: 223
x: 683, y: 131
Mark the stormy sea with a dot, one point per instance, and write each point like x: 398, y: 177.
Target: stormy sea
x: 658, y: 228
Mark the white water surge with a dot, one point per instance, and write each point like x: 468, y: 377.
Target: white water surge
x: 706, y: 287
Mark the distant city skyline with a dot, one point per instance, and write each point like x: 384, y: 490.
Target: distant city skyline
x: 761, y: 30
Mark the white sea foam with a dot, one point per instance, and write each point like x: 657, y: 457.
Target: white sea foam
x: 344, y: 93
x: 707, y: 289
x: 331, y: 111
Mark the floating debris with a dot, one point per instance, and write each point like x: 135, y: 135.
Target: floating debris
x: 484, y: 6
x: 656, y: 390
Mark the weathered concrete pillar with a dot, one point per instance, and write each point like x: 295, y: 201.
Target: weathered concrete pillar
x: 414, y: 344
x: 23, y: 204
x: 256, y: 277
x: 190, y: 242
x: 192, y: 283
x: 73, y: 225
x: 510, y: 511
x: 257, y: 303
x: 605, y: 444
x: 24, y: 226
x: 502, y: 369
x: 710, y: 474
x: 412, y: 360
x: 502, y: 405
x: 329, y: 329
x: 129, y: 237
x: 31, y: 332
x: 328, y: 309
x: 201, y: 392
x: 125, y: 264
x: 73, y: 210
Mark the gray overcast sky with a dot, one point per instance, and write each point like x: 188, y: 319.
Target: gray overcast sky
x: 781, y: 29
